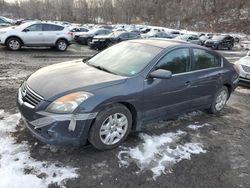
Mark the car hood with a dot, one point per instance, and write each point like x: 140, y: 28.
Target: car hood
x: 244, y: 61
x: 59, y: 79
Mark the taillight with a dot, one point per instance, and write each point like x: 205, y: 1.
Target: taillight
x: 71, y: 33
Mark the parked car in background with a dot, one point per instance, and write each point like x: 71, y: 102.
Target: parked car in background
x: 191, y: 38
x: 36, y: 34
x: 245, y: 44
x: 220, y: 42
x: 87, y: 37
x: 6, y: 21
x: 173, y: 34
x: 79, y: 31
x: 22, y: 21
x: 123, y: 88
x: 103, y: 41
x: 156, y: 34
x: 204, y: 38
x: 243, y: 66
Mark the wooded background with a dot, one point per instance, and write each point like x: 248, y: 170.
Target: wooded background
x: 200, y: 15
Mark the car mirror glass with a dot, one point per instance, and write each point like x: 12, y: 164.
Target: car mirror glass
x: 26, y: 30
x: 161, y: 74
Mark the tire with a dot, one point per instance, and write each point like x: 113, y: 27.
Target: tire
x: 62, y: 45
x: 14, y: 44
x: 215, y: 47
x: 103, y: 133
x: 218, y: 104
x: 89, y: 40
x: 230, y: 47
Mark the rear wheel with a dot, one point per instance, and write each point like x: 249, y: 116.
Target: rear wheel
x: 230, y: 47
x: 111, y: 127
x: 89, y: 40
x: 61, y: 45
x: 219, y: 101
x: 14, y: 44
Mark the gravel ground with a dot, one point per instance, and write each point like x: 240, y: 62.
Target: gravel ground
x: 226, y: 140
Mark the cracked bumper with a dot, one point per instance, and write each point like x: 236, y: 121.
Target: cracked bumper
x: 57, y: 129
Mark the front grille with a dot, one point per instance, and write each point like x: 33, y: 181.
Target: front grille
x: 29, y: 96
x: 246, y: 68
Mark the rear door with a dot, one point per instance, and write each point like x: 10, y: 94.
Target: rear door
x: 206, y: 77
x: 51, y: 33
x: 164, y: 98
x: 33, y: 35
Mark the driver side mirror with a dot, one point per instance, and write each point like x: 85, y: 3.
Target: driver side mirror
x: 26, y: 30
x: 161, y: 74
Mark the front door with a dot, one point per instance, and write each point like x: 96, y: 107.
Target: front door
x: 164, y: 98
x: 33, y: 35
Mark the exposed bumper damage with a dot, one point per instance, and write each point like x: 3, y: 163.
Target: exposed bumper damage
x: 52, y: 118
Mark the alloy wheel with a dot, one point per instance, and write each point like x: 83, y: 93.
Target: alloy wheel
x: 221, y: 100
x: 113, y: 129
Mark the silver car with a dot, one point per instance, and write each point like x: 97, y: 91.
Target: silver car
x: 36, y: 34
x: 243, y: 66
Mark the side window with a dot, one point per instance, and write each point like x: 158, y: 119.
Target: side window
x: 35, y: 27
x: 204, y: 60
x: 132, y: 36
x: 83, y: 30
x: 101, y: 32
x: 177, y: 61
x: 124, y: 36
x: 107, y: 32
x: 50, y: 27
x: 1, y: 21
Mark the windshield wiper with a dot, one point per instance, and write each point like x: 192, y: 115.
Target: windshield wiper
x: 101, y: 68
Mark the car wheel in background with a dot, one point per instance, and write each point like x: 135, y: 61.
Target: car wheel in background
x: 215, y: 47
x: 111, y: 127
x: 230, y: 47
x: 61, y: 45
x: 220, y: 100
x: 14, y: 44
x: 89, y: 40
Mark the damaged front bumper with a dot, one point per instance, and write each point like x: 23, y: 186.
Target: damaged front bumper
x: 57, y: 129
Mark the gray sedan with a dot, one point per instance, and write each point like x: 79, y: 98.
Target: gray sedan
x: 124, y: 87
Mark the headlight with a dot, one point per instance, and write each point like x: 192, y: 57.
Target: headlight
x: 68, y: 103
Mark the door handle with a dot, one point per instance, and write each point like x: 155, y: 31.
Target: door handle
x: 187, y: 83
x: 218, y: 75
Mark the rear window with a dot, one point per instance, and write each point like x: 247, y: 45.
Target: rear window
x: 204, y: 60
x: 50, y: 27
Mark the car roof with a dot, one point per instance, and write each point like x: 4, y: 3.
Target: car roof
x: 161, y: 43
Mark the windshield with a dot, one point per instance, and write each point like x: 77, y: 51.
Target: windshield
x: 125, y: 59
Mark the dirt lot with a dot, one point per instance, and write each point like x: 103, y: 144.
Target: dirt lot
x: 225, y: 138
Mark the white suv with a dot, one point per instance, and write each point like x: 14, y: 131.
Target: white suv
x: 36, y: 34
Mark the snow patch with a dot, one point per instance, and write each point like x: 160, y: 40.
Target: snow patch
x: 244, y: 91
x: 196, y: 126
x: 159, y: 153
x: 18, y: 169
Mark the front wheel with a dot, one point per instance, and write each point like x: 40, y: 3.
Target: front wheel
x: 14, y: 44
x: 61, y: 45
x: 220, y: 100
x: 111, y: 127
